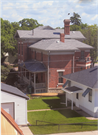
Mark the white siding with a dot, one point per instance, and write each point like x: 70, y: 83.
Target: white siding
x: 20, y: 106
x: 82, y: 101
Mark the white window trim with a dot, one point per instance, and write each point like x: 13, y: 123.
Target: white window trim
x: 60, y: 83
x: 61, y: 70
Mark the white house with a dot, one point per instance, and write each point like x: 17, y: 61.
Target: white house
x: 82, y: 89
x: 14, y: 102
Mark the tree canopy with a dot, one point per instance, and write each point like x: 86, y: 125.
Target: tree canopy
x: 8, y: 43
x: 91, y: 34
x: 75, y: 19
x: 29, y: 24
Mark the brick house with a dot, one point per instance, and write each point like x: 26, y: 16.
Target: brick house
x: 45, y: 54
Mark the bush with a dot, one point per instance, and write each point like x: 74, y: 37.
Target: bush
x: 4, y: 72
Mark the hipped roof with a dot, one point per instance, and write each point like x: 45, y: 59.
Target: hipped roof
x: 57, y: 45
x: 44, y: 32
x: 34, y: 66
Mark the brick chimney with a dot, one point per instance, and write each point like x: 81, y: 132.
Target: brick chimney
x: 62, y: 37
x: 67, y: 27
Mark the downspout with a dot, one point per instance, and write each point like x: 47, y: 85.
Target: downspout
x: 73, y: 63
x: 48, y: 73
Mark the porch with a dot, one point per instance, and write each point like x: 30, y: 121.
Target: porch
x: 35, y: 75
x: 70, y: 92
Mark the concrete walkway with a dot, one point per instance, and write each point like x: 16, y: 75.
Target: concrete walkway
x: 78, y: 133
x: 48, y: 109
x: 26, y: 130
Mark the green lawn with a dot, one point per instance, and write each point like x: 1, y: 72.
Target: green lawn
x: 58, y: 117
x: 46, y: 102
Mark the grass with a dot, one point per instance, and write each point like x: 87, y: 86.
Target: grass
x: 58, y: 117
x: 46, y: 102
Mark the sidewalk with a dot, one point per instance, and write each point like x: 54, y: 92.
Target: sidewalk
x: 48, y: 109
x: 78, y: 133
x: 26, y: 130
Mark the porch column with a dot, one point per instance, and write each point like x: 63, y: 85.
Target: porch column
x: 29, y: 75
x: 45, y: 79
x: 72, y: 102
x: 66, y: 97
x: 34, y: 82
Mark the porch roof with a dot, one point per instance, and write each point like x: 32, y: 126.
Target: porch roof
x: 72, y: 89
x: 34, y: 66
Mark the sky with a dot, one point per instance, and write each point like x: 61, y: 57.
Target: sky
x: 49, y: 12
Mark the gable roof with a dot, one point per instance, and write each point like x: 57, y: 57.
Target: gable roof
x: 88, y: 77
x: 11, y: 121
x: 54, y: 45
x: 13, y: 90
x: 47, y: 32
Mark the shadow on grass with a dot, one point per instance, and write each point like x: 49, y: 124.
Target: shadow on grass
x: 56, y: 103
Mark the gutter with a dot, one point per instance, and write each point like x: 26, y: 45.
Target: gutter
x: 48, y: 72
x: 73, y: 63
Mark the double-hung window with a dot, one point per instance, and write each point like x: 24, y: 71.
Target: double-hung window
x: 82, y: 54
x: 60, y: 79
x: 77, y: 96
x: 90, y: 96
x: 22, y: 48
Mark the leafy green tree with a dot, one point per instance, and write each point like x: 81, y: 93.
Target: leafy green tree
x: 75, y: 28
x: 5, y: 70
x: 91, y: 33
x: 8, y: 43
x: 75, y: 19
x: 29, y: 24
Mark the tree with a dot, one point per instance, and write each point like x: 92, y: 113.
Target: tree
x: 8, y: 43
x: 8, y: 30
x: 91, y: 38
x: 29, y: 24
x: 5, y: 70
x: 75, y: 19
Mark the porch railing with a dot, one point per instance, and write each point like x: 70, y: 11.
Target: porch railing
x: 85, y: 59
x: 40, y: 85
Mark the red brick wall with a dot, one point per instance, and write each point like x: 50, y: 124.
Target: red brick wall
x: 60, y: 62
x: 25, y: 55
x: 79, y: 68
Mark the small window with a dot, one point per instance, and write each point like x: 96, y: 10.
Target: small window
x: 41, y: 56
x: 19, y: 48
x: 41, y: 77
x: 82, y: 54
x: 77, y: 96
x: 35, y: 55
x: 60, y: 78
x: 22, y: 49
x: 90, y: 96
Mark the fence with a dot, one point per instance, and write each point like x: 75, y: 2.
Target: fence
x: 82, y: 123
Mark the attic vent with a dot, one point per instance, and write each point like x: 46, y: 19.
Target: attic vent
x: 57, y: 41
x: 73, y: 31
